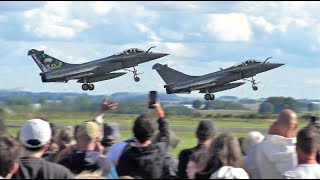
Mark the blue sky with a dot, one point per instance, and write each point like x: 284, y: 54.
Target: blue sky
x: 201, y: 37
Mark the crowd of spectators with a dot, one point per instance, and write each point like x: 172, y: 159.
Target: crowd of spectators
x: 91, y: 150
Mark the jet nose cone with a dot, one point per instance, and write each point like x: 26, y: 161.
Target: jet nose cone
x: 160, y: 55
x: 272, y: 66
x: 275, y: 65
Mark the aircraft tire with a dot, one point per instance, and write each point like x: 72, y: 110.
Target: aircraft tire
x: 255, y: 88
x: 207, y: 97
x: 85, y: 87
x: 91, y: 87
x: 136, y: 79
x: 212, y: 97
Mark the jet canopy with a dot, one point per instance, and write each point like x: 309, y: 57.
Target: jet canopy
x: 251, y: 61
x: 129, y: 51
x: 248, y: 62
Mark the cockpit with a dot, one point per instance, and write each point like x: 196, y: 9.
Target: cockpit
x: 248, y: 62
x: 129, y: 51
x: 251, y: 61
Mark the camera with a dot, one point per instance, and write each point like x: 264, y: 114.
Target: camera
x: 152, y: 98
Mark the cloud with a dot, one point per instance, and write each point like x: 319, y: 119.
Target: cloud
x: 53, y: 21
x: 152, y: 35
x: 233, y: 27
x: 102, y: 8
x: 262, y: 22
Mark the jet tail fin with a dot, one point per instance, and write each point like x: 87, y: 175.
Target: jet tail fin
x: 46, y: 62
x: 170, y: 75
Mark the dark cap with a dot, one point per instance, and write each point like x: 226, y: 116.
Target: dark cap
x: 111, y: 133
x: 205, y: 130
x: 3, y: 126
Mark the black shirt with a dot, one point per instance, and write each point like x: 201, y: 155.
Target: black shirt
x: 38, y: 168
x: 80, y: 161
x: 184, y: 157
x: 145, y: 162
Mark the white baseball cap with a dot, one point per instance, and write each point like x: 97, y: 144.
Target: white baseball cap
x: 228, y: 172
x: 35, y: 133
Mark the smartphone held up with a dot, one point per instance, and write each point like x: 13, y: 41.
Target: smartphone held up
x: 152, y: 98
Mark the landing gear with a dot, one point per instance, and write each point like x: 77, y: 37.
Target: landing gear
x: 135, y: 74
x: 136, y: 78
x: 253, y: 81
x: 212, y: 97
x: 87, y: 87
x: 254, y: 88
x: 209, y: 96
x: 91, y: 87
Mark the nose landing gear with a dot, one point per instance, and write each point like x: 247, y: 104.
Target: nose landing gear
x: 135, y: 74
x: 253, y: 81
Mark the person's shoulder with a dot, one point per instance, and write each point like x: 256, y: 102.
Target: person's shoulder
x: 117, y: 145
x: 55, y: 166
x: 186, y: 152
x: 290, y: 174
x: 58, y: 169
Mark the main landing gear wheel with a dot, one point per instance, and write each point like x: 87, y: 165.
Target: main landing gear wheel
x: 85, y: 87
x: 254, y: 88
x: 136, y: 79
x: 91, y: 87
x: 212, y: 97
x: 209, y: 97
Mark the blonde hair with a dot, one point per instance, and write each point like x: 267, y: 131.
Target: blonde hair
x: 91, y: 175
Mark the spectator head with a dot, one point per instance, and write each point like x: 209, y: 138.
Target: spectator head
x: 143, y: 128
x: 308, y: 141
x: 205, y: 130
x: 224, y: 151
x: 87, y: 133
x: 228, y: 172
x: 111, y: 134
x: 286, y: 124
x: 3, y: 127
x: 9, y: 153
x: 66, y: 138
x: 35, y: 134
x: 251, y: 139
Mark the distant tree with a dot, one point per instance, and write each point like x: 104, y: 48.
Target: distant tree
x: 42, y: 100
x: 18, y: 101
x: 196, y: 104
x: 83, y: 103
x: 266, y: 108
x: 280, y: 103
x: 179, y: 111
x: 313, y: 107
x: 216, y: 104
x: 66, y: 101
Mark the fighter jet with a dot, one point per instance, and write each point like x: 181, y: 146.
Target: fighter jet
x: 177, y: 82
x: 55, y: 70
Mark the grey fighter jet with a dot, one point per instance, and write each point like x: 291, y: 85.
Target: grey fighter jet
x: 54, y: 70
x: 177, y: 82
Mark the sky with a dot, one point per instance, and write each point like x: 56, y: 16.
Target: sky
x: 201, y: 37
